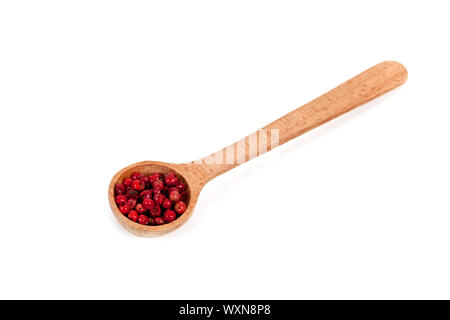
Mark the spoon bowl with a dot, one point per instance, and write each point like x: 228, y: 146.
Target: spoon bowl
x: 364, y: 87
x: 146, y: 168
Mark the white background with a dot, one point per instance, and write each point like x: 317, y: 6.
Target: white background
x: 358, y: 208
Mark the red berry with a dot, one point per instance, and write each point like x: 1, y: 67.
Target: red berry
x: 138, y: 185
x: 127, y: 182
x: 166, y: 203
x: 181, y: 186
x: 140, y: 208
x: 136, y: 175
x: 146, y: 180
x: 121, y: 199
x: 180, y: 207
x: 124, y: 209
x: 154, y: 177
x: 133, y: 215
x: 132, y: 194
x: 148, y: 203
x: 159, y: 198
x: 120, y: 188
x: 184, y: 196
x: 146, y: 194
x: 131, y: 203
x: 174, y: 196
x: 151, y: 221
x: 172, y: 189
x: 143, y: 219
x: 158, y: 185
x: 169, y: 216
x: 171, y: 179
x: 155, y: 211
x: 159, y: 220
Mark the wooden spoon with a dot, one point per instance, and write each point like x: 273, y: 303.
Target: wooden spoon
x: 364, y: 87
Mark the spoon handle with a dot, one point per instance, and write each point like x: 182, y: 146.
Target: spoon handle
x: 366, y: 86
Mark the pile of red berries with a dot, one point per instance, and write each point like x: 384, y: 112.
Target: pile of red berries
x: 151, y: 200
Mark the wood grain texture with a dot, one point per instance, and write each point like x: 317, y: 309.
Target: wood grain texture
x: 364, y: 87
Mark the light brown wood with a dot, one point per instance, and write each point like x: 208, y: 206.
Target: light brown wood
x: 364, y: 87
